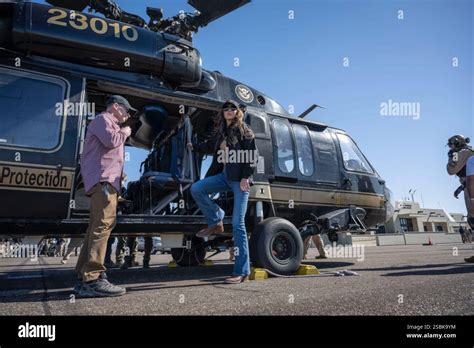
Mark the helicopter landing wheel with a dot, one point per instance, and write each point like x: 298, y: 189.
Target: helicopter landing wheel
x: 276, y: 245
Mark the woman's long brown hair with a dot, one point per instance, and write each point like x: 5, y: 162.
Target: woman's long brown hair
x: 237, y: 124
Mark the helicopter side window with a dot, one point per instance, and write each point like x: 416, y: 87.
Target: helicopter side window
x: 29, y: 109
x: 258, y: 123
x: 304, y: 150
x: 352, y: 157
x: 284, y: 144
x: 325, y: 157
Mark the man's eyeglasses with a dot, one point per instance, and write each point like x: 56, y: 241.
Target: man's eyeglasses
x: 127, y: 110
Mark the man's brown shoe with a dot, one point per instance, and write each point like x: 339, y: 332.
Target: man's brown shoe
x: 205, y: 232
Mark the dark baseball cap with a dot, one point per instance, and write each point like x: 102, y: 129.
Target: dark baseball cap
x: 231, y: 102
x: 120, y: 100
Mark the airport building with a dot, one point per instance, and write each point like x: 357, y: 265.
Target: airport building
x: 410, y: 217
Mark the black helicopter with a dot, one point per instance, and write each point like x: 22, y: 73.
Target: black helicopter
x: 310, y: 178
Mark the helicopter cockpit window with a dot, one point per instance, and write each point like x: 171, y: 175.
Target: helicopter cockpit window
x: 304, y: 150
x: 353, y: 158
x: 29, y: 105
x: 284, y: 144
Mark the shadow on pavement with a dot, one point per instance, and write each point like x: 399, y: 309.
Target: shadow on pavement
x: 461, y: 269
x: 409, y: 267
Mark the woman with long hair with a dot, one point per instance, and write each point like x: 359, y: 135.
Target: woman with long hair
x: 235, y: 157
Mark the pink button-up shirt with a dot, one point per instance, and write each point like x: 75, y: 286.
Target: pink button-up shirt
x: 102, y: 158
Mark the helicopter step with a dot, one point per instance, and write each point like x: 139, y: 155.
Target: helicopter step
x: 129, y: 225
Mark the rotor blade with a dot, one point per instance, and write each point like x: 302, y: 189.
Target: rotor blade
x: 76, y: 5
x: 214, y: 9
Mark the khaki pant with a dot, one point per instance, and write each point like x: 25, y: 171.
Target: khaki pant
x: 103, y: 214
x: 317, y: 242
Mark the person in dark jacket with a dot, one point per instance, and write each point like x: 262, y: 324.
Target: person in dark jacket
x: 461, y: 163
x: 234, y: 160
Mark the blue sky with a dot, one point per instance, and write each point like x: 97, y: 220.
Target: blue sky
x: 300, y: 61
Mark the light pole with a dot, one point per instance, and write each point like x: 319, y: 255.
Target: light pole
x: 431, y: 213
x: 412, y: 193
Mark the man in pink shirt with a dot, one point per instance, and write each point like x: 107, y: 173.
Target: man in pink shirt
x: 101, y: 168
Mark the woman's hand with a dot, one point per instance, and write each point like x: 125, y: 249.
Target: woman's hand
x: 244, y: 185
x: 189, y: 146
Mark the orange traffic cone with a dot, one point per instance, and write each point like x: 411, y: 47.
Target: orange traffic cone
x: 429, y: 241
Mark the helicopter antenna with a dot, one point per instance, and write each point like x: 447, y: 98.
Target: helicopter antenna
x: 308, y: 110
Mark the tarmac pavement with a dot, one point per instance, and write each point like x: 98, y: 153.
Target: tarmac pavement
x: 393, y: 280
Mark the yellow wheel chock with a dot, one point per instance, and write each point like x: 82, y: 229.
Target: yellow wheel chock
x: 258, y: 274
x: 307, y: 270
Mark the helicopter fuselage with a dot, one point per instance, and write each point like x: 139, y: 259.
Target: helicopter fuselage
x: 52, y: 55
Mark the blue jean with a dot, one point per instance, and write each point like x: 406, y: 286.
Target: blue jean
x: 214, y: 214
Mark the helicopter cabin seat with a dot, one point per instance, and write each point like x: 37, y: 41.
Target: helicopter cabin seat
x: 163, y: 168
x: 162, y: 181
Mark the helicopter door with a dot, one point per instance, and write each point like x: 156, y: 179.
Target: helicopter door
x: 38, y: 142
x: 283, y: 151
x: 326, y: 159
x: 304, y: 156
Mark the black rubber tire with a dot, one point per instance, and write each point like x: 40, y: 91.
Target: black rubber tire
x: 276, y: 245
x: 183, y: 257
